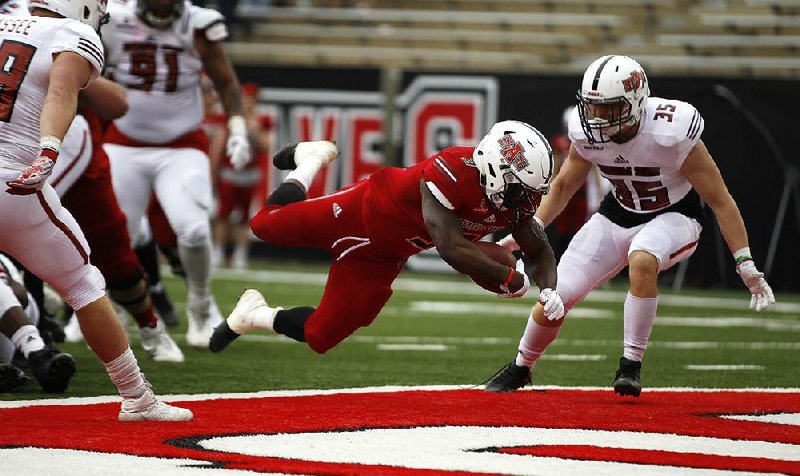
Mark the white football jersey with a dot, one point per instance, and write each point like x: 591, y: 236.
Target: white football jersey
x: 645, y: 171
x: 27, y: 46
x: 161, y: 70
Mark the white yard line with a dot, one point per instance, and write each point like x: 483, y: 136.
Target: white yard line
x: 414, y: 347
x: 723, y: 367
x: 421, y: 284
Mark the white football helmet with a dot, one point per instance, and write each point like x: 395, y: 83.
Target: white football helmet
x: 160, y: 13
x: 91, y: 12
x: 612, y: 97
x: 515, y: 162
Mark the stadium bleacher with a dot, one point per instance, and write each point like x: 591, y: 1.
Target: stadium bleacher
x: 746, y: 38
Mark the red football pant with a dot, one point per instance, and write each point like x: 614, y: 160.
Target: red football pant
x: 360, y: 278
x: 92, y: 202
x: 233, y: 197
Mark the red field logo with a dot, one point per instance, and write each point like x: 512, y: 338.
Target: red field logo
x: 558, y: 431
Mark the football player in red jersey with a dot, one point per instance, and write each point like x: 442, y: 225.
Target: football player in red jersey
x: 448, y: 201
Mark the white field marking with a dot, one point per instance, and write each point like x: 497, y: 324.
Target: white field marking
x: 684, y: 345
x: 421, y: 284
x: 766, y: 323
x: 49, y: 461
x: 457, y: 448
x: 779, y: 418
x: 357, y: 390
x: 574, y: 357
x: 408, y: 340
x: 422, y: 347
x: 723, y: 367
x: 497, y: 310
x: 275, y: 338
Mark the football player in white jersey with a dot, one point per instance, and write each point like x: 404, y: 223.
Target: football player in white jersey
x: 48, y: 59
x: 649, y: 148
x: 157, y: 50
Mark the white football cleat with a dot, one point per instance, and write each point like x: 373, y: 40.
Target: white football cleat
x: 251, y: 312
x: 157, y: 342
x: 322, y: 151
x: 199, y: 314
x: 149, y: 408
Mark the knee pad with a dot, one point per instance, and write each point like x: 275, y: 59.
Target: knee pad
x: 194, y: 235
x: 132, y: 295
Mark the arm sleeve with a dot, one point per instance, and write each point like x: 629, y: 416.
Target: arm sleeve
x: 79, y: 38
x: 209, y: 23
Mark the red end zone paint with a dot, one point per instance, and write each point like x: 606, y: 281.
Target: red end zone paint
x: 687, y: 414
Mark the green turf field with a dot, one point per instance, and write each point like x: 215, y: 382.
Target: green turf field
x: 444, y: 330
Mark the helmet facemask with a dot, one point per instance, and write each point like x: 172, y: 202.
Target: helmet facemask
x: 612, y: 98
x: 161, y: 15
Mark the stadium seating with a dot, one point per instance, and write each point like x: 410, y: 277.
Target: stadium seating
x: 751, y: 38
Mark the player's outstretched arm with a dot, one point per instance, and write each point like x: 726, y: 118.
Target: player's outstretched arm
x: 69, y: 73
x: 705, y: 177
x: 533, y: 242
x: 571, y: 176
x: 460, y: 253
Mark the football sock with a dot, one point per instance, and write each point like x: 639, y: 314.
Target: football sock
x: 305, y: 172
x: 639, y: 315
x: 290, y: 322
x: 126, y: 375
x: 197, y: 264
x: 285, y: 194
x: 27, y: 339
x: 534, y: 341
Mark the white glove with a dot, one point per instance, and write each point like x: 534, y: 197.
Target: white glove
x: 34, y: 176
x: 238, y: 146
x: 507, y: 293
x: 755, y: 282
x: 553, y: 305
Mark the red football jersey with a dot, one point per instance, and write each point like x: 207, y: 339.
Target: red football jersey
x: 394, y: 206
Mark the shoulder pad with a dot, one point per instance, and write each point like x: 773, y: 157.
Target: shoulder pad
x: 672, y: 121
x: 202, y: 18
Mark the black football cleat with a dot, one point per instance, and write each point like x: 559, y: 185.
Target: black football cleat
x: 12, y: 378
x: 626, y: 381
x: 48, y: 325
x: 509, y: 378
x: 284, y: 158
x: 53, y: 369
x: 221, y: 337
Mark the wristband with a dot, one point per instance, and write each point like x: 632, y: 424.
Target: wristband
x: 742, y: 254
x: 50, y: 142
x: 510, y: 277
x: 539, y: 221
x: 237, y: 126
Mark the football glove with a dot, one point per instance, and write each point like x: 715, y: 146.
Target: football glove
x: 553, y: 305
x: 526, y: 283
x: 761, y: 292
x: 34, y: 176
x: 238, y: 146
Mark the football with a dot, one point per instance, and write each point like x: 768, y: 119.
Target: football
x: 499, y: 254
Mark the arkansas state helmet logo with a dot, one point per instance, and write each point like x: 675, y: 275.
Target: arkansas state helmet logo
x: 417, y: 431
